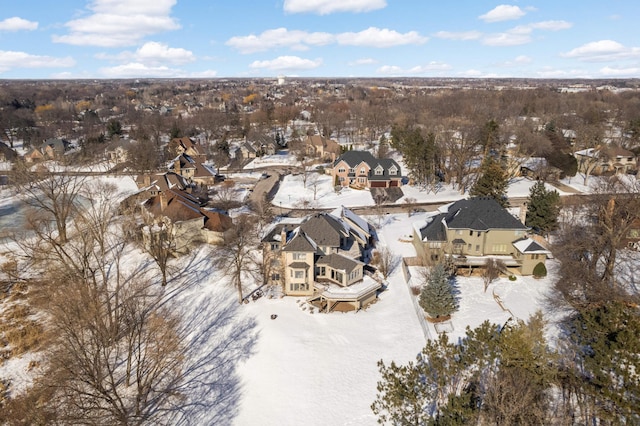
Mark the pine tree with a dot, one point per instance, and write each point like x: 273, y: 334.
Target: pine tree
x: 543, y: 208
x: 437, y: 297
x: 492, y: 183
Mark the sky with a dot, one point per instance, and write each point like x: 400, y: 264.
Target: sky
x: 98, y: 39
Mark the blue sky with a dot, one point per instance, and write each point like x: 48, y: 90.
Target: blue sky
x: 43, y: 39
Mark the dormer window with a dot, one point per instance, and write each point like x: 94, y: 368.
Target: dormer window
x: 393, y: 170
x: 379, y: 170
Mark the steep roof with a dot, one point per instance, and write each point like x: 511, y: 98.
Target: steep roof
x: 340, y: 262
x: 353, y: 158
x: 480, y: 214
x: 529, y: 246
x: 476, y: 214
x: 300, y: 242
x: 324, y: 229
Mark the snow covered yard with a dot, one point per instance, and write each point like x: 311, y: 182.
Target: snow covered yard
x: 318, y: 369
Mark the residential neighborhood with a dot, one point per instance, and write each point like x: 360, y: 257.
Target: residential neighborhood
x: 236, y: 230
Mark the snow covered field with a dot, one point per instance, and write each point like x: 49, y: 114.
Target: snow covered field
x: 306, y: 368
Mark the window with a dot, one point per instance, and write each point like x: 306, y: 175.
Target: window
x: 469, y: 247
x: 341, y: 170
x: 339, y: 276
x: 362, y: 180
x: 499, y: 248
x: 275, y: 277
x: 393, y: 170
x: 363, y: 171
x: 477, y: 247
x: 471, y: 233
x: 458, y: 231
x: 379, y: 171
x: 275, y: 246
x: 352, y: 171
x: 435, y: 257
x: 298, y: 274
x: 299, y: 256
x: 478, y: 234
x: 340, y: 179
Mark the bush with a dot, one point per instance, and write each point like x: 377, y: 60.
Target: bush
x: 540, y: 271
x: 512, y: 278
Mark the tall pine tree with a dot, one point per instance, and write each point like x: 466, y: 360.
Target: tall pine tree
x: 543, y: 208
x: 492, y: 183
x: 437, y: 298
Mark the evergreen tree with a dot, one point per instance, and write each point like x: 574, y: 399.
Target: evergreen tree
x: 494, y: 375
x: 543, y: 208
x: 419, y: 152
x: 492, y: 183
x: 605, y: 339
x: 437, y: 298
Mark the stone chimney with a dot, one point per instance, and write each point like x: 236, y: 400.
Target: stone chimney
x: 522, y: 214
x: 163, y: 201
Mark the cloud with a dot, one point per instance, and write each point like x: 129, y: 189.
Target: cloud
x: 522, y: 33
x: 302, y: 40
x: 620, y: 72
x: 463, y: 36
x: 376, y: 37
x: 506, y: 39
x: 325, y: 7
x: 363, y: 61
x: 10, y: 59
x: 134, y: 69
x: 503, y: 12
x: 17, y: 24
x: 433, y: 67
x: 153, y: 54
x: 603, y: 50
x: 549, y: 72
x: 517, y: 61
x: 278, y: 38
x: 283, y: 63
x: 114, y: 23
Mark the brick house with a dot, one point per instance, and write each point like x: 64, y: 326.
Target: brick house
x: 362, y: 169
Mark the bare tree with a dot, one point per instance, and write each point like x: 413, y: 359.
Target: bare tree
x: 51, y: 194
x: 115, y: 351
x: 237, y: 256
x: 385, y: 260
x: 160, y: 243
x: 492, y: 269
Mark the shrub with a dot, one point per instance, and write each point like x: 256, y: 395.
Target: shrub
x: 540, y: 270
x: 512, y: 278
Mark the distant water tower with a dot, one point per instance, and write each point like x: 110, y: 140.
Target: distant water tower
x: 280, y: 80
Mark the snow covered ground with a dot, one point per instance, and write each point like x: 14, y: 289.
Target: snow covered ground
x: 307, y: 368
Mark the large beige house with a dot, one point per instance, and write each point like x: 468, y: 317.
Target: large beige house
x: 607, y: 159
x: 323, y: 259
x: 471, y: 231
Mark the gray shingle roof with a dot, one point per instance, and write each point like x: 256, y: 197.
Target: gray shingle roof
x: 338, y: 261
x: 481, y: 214
x: 477, y: 214
x: 324, y: 230
x: 300, y: 242
x: 353, y: 158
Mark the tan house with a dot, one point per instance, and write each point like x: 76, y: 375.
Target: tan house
x: 323, y: 258
x: 471, y: 231
x: 606, y: 159
x: 362, y: 169
x: 192, y: 169
x: 186, y: 145
x: 319, y: 146
x: 190, y: 222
